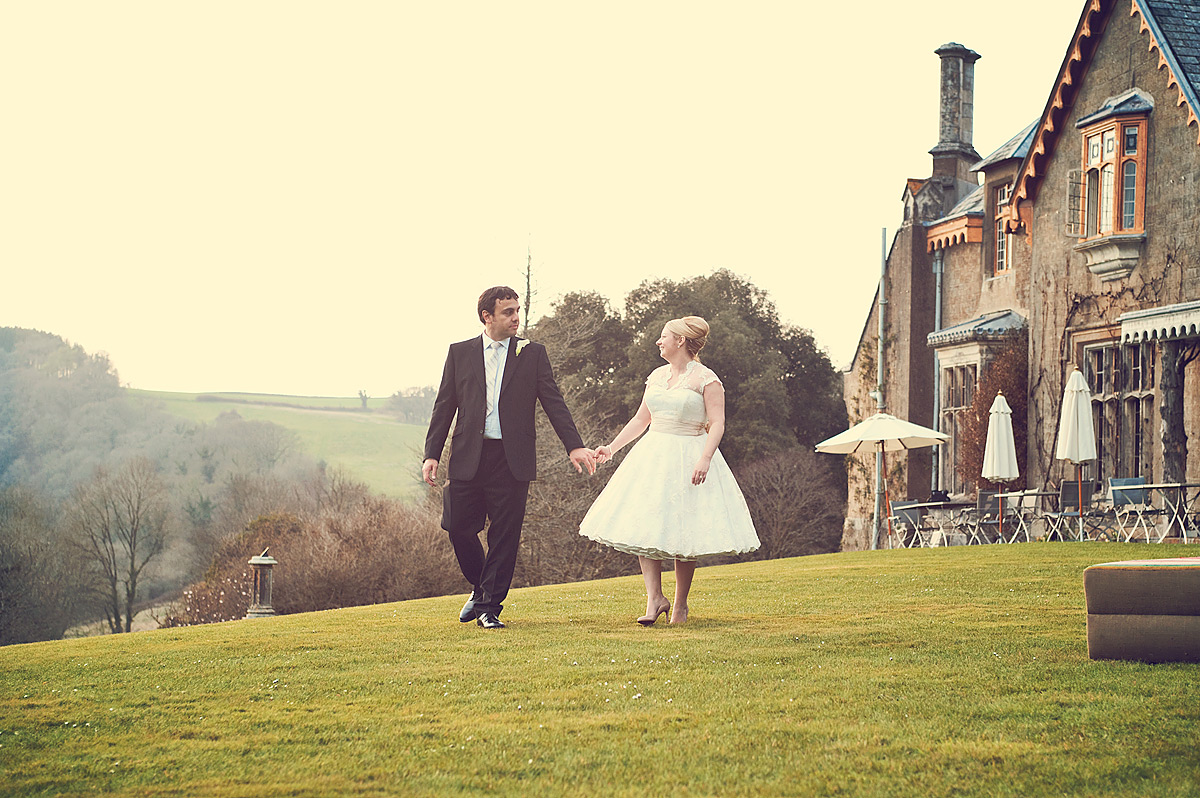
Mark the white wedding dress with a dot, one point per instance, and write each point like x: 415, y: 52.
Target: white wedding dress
x: 650, y: 506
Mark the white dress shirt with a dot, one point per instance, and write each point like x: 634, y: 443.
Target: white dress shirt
x: 493, y: 379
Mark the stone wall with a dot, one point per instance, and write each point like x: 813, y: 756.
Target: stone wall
x: 1066, y: 298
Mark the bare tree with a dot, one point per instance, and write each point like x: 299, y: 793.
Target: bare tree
x: 39, y: 575
x: 120, y: 517
x: 796, y: 501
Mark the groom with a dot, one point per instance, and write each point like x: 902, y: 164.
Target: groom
x: 492, y: 382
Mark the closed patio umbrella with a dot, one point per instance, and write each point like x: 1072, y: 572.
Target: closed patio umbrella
x: 1076, y: 435
x: 1000, y: 452
x: 882, y: 433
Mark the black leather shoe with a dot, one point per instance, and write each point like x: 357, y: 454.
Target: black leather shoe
x: 468, y: 611
x: 488, y: 620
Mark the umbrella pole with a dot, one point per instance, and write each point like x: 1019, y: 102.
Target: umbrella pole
x: 1079, y: 482
x: 1000, y: 508
x: 887, y: 502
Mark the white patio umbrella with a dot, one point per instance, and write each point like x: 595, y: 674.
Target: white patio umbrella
x: 1076, y: 435
x: 882, y: 433
x: 1000, y: 451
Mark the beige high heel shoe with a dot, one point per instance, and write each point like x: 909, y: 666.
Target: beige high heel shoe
x: 648, y: 620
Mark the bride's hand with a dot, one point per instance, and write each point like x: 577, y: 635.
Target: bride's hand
x: 603, y: 454
x: 701, y: 470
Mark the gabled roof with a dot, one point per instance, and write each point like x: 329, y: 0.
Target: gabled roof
x: 1174, y: 30
x: 1016, y: 147
x: 1175, y: 26
x: 914, y: 185
x: 962, y: 225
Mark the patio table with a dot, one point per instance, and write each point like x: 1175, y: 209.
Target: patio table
x: 1024, y: 523
x: 939, y: 519
x: 1180, y: 508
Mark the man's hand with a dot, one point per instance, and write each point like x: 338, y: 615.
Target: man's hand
x: 429, y: 471
x: 583, y: 458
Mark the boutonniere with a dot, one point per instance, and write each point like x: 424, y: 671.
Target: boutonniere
x: 521, y: 345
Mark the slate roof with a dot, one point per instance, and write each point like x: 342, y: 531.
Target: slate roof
x: 1016, y: 147
x: 1176, y: 25
x: 970, y: 204
x: 1134, y: 101
x: 973, y: 204
x: 988, y: 327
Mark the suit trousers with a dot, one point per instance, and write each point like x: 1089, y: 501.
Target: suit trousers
x: 494, y: 495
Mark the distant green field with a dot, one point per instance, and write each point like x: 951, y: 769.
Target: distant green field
x: 347, y: 402
x: 370, y: 447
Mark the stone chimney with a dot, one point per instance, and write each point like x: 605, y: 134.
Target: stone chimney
x: 954, y: 154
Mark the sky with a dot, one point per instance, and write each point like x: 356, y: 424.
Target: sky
x: 307, y: 198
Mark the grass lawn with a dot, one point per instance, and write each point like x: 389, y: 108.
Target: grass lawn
x: 933, y: 672
x: 371, y: 447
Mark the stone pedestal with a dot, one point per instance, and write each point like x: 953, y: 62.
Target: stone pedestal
x: 260, y: 599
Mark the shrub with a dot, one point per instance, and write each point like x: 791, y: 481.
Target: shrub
x: 378, y: 550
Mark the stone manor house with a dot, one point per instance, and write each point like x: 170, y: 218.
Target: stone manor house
x: 1084, y: 230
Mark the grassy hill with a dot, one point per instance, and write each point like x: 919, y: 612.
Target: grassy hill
x: 371, y: 447
x: 936, y: 672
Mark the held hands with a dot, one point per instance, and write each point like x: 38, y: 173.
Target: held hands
x: 603, y: 454
x: 583, y: 458
x: 701, y: 470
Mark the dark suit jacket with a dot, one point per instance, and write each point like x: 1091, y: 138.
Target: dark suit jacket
x: 528, y: 378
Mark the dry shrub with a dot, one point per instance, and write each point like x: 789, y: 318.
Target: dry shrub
x: 377, y: 550
x: 797, y: 501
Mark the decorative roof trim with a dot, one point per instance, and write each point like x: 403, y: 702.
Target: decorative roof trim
x: 1083, y: 44
x: 1164, y: 323
x: 1167, y: 60
x: 994, y: 326
x: 960, y: 230
x: 1079, y: 55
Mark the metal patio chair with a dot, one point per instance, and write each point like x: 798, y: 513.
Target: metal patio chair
x: 1025, y: 513
x: 914, y: 524
x: 976, y: 521
x: 1131, y: 505
x: 1069, y: 516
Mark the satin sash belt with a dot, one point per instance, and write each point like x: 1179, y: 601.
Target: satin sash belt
x: 678, y: 427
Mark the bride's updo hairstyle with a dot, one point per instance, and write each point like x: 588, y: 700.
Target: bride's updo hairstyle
x: 693, y: 330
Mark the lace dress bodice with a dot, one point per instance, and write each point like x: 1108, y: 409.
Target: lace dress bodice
x: 678, y: 409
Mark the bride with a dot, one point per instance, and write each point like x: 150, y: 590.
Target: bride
x: 674, y: 496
